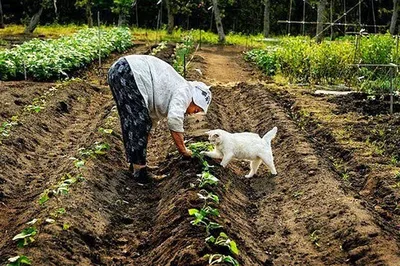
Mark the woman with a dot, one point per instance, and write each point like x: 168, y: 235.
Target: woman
x: 147, y: 89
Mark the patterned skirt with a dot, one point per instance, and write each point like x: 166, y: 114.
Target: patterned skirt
x: 134, y: 115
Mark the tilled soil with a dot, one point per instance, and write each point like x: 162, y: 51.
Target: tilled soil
x: 306, y: 215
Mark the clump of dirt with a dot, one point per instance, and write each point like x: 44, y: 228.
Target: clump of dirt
x: 365, y: 104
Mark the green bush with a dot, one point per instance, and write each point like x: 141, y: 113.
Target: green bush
x: 47, y: 59
x: 301, y: 59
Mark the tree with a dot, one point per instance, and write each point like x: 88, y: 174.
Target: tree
x: 34, y: 21
x: 171, y: 17
x: 122, y: 8
x: 218, y: 22
x: 320, y: 19
x: 87, y: 4
x: 1, y: 16
x: 395, y: 15
x: 266, y: 30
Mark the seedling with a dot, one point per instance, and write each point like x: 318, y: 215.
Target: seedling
x: 105, y: 131
x: 201, y: 215
x: 202, y: 220
x: 25, y: 237
x: 66, y: 226
x: 219, y: 258
x: 207, y: 178
x: 205, y: 195
x: 198, y: 147
x: 19, y: 260
x: 314, y: 238
x: 224, y: 240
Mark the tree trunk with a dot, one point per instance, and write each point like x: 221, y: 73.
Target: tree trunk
x: 320, y: 20
x: 89, y: 15
x: 218, y: 22
x: 1, y: 17
x: 395, y: 15
x: 171, y: 17
x: 266, y: 18
x: 121, y: 19
x: 34, y: 22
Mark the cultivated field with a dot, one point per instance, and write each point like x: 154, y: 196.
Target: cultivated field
x: 333, y: 202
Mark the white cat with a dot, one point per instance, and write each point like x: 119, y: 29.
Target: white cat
x: 246, y: 146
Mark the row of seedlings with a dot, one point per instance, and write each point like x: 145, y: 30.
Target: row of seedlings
x: 27, y: 235
x: 206, y: 215
x: 38, y: 104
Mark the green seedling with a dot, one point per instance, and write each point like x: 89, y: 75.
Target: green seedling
x: 79, y: 163
x: 224, y: 240
x: 202, y: 214
x: 212, y: 226
x: 198, y: 147
x: 298, y: 194
x: 219, y: 258
x: 62, y: 188
x: 207, y: 178
x: 394, y: 160
x: 66, y: 226
x: 25, y: 237
x: 105, y: 131
x: 101, y: 148
x: 6, y: 127
x: 314, y: 238
x: 44, y: 197
x: 205, y: 195
x: 345, y: 176
x: 201, y: 218
x: 19, y: 260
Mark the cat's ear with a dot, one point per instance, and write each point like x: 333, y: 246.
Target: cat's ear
x: 217, y: 138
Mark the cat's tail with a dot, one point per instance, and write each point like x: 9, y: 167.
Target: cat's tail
x: 270, y: 134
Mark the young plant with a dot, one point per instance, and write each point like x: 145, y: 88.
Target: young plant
x: 224, y: 240
x: 207, y: 179
x: 201, y: 218
x: 219, y: 258
x: 25, y: 237
x: 206, y: 196
x: 19, y: 260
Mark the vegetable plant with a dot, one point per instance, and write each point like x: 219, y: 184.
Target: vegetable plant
x: 19, y: 260
x: 25, y: 237
x: 219, y: 258
x: 224, y: 240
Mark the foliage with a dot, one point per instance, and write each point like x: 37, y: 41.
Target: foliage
x: 219, y: 258
x: 224, y: 240
x: 182, y: 51
x: 53, y: 58
x: 122, y: 6
x: 19, y: 260
x: 26, y: 236
x: 330, y: 62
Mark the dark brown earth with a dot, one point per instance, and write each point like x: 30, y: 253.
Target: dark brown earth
x: 333, y: 202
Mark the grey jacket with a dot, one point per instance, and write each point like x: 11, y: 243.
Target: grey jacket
x: 166, y: 93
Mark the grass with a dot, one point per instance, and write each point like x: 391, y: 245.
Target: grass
x: 49, y: 31
x: 147, y: 35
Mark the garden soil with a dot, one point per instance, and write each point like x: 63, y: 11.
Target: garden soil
x: 306, y: 215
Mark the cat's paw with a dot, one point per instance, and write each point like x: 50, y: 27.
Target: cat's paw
x: 223, y: 164
x: 248, y: 176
